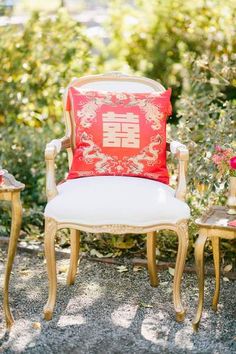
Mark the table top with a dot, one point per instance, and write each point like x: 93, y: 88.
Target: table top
x: 216, y: 218
x: 8, y: 183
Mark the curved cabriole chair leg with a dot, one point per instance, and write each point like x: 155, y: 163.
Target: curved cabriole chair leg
x: 151, y: 258
x: 182, y: 232
x: 50, y: 232
x: 74, y: 256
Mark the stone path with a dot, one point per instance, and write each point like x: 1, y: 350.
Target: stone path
x: 111, y: 312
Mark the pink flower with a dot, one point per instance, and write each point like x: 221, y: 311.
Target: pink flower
x: 217, y: 159
x: 1, y: 176
x: 218, y: 148
x: 224, y: 160
x: 227, y: 152
x: 232, y: 163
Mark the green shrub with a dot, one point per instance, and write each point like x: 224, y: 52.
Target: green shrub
x: 155, y: 38
x: 22, y: 154
x: 206, y: 119
x: 37, y: 62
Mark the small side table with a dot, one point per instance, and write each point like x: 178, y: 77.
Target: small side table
x: 213, y: 225
x: 10, y: 190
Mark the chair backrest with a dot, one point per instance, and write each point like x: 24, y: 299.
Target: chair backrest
x: 113, y: 82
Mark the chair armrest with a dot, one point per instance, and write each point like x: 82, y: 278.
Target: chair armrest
x: 182, y: 154
x: 51, y: 150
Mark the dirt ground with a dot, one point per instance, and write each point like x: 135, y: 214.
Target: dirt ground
x: 108, y: 311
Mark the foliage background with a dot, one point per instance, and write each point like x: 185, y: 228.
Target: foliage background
x: 189, y: 46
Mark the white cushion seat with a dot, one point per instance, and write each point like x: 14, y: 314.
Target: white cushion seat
x: 105, y: 200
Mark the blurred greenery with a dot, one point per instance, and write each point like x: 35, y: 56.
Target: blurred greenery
x: 37, y: 62
x: 28, y: 6
x: 156, y: 37
x: 206, y: 113
x: 189, y: 46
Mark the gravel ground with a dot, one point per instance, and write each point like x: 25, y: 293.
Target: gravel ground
x: 111, y: 312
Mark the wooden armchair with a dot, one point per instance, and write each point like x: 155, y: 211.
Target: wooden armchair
x: 142, y: 198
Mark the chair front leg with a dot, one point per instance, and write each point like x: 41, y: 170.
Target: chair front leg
x: 74, y: 256
x: 50, y: 232
x: 151, y: 258
x: 182, y: 232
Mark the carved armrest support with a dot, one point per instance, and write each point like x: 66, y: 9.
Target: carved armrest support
x: 52, y: 149
x: 182, y: 154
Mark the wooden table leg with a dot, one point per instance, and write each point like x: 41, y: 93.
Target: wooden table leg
x: 216, y: 256
x: 199, y: 260
x: 15, y: 230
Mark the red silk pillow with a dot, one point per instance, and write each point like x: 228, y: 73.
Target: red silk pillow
x: 119, y: 134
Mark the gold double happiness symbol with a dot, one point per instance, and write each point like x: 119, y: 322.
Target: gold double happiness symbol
x: 121, y: 130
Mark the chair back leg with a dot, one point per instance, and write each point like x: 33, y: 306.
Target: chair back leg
x: 151, y: 258
x: 74, y: 255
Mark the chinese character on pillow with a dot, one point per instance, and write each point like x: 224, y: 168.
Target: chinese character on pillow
x: 119, y: 134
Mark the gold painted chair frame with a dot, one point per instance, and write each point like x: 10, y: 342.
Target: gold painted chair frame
x: 51, y: 225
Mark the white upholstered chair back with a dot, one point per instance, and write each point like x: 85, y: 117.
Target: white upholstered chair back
x: 117, y: 82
